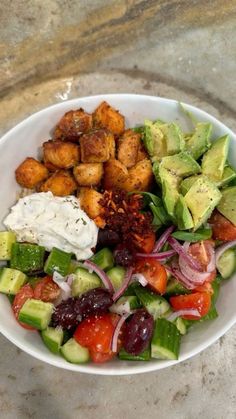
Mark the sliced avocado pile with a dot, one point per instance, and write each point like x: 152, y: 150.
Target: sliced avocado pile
x: 190, y: 170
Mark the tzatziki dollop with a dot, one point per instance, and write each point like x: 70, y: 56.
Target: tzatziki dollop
x: 52, y: 221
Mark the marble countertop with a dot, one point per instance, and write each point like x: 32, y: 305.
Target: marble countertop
x: 55, y: 50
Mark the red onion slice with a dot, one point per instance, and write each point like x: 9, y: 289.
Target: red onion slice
x: 182, y: 252
x: 158, y: 256
x: 161, y: 241
x: 222, y: 248
x: 65, y: 287
x: 198, y: 278
x: 180, y: 277
x: 125, y: 284
x: 140, y: 278
x: 102, y: 275
x: 186, y: 312
x: 114, y: 342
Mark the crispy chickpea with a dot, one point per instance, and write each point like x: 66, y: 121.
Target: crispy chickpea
x: 89, y: 201
x: 107, y: 117
x: 30, y: 173
x: 60, y: 154
x: 128, y: 147
x: 140, y: 177
x: 88, y: 174
x: 115, y: 174
x: 95, y: 146
x: 60, y: 183
x: 72, y: 125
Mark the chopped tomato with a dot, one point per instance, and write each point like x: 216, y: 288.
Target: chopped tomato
x: 206, y: 287
x: 200, y: 301
x: 202, y: 252
x: 99, y: 357
x: 154, y: 273
x: 145, y: 243
x: 47, y: 290
x: 95, y: 333
x: 222, y: 228
x: 21, y: 297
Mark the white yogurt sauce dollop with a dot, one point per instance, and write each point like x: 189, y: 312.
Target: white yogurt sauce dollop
x: 52, y: 221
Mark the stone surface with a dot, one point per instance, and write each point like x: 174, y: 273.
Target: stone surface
x: 179, y: 49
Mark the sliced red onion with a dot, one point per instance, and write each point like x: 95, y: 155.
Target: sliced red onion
x: 158, y: 256
x: 186, y: 312
x: 62, y: 283
x: 125, y: 284
x: 181, y: 278
x: 102, y: 275
x: 115, y: 337
x: 140, y: 278
x: 121, y: 308
x: 222, y: 248
x: 182, y: 252
x: 198, y: 278
x: 161, y: 241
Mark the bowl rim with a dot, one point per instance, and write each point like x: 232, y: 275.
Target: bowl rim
x: 141, y: 367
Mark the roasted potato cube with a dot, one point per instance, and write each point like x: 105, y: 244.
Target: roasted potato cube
x: 89, y: 201
x: 115, y: 174
x: 107, y: 117
x: 128, y: 147
x: 112, y: 146
x: 72, y: 125
x: 142, y: 154
x: 95, y: 146
x: 61, y: 154
x: 140, y: 177
x: 88, y: 174
x: 30, y: 173
x: 60, y: 183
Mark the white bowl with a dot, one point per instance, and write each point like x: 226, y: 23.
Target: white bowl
x: 24, y: 140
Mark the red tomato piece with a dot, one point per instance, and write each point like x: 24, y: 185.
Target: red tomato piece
x: 46, y: 290
x: 99, y: 357
x: 154, y: 273
x: 222, y: 228
x: 146, y: 243
x: 21, y: 297
x: 95, y: 333
x: 200, y: 301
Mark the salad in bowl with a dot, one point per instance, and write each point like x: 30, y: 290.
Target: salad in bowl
x: 121, y: 236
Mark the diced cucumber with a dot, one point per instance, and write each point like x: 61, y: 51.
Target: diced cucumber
x: 166, y: 340
x: 75, y: 353
x: 36, y: 313
x: 27, y: 257
x: 116, y: 276
x: 7, y: 238
x: 53, y: 338
x: 11, y: 280
x: 84, y: 281
x: 58, y: 261
x: 144, y: 356
x: 175, y: 288
x: 226, y: 264
x: 181, y: 326
x: 131, y: 288
x: 125, y: 304
x: 156, y: 305
x: 73, y: 266
x: 10, y: 298
x: 104, y: 259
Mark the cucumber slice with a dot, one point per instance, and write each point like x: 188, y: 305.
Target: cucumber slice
x: 166, y: 340
x: 131, y: 288
x: 58, y: 261
x: 144, y: 356
x: 226, y: 264
x: 125, y: 303
x: 175, y: 288
x: 116, y: 276
x: 104, y: 259
x: 156, y: 305
x: 75, y: 353
x: 7, y: 238
x: 27, y: 257
x: 84, y: 281
x: 53, y: 338
x: 36, y: 313
x: 181, y: 326
x: 11, y: 280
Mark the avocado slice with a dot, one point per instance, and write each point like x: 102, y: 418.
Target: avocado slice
x: 181, y: 164
x: 214, y: 159
x: 170, y: 194
x: 173, y: 137
x: 200, y: 140
x: 187, y: 183
x: 154, y: 140
x: 201, y: 199
x: 227, y: 204
x: 183, y: 215
x: 229, y: 174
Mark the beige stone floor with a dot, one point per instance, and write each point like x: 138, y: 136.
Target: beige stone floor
x: 53, y: 50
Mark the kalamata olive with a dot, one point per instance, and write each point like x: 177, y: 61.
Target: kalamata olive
x: 107, y: 237
x: 138, y: 332
x: 95, y: 301
x: 66, y: 315
x: 123, y: 256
